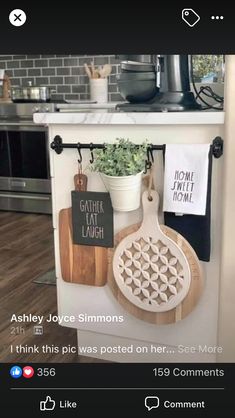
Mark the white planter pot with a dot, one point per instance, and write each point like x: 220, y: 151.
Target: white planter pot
x: 124, y: 191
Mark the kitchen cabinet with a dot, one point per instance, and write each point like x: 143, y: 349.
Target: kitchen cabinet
x: 200, y: 327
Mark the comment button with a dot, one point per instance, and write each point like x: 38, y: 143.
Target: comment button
x: 151, y: 402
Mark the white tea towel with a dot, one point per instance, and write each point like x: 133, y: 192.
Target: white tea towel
x: 185, y: 178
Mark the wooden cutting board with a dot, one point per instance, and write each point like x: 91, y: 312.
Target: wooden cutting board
x: 150, y: 269
x: 189, y: 302
x: 81, y: 264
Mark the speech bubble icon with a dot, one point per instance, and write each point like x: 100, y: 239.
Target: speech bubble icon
x: 151, y: 402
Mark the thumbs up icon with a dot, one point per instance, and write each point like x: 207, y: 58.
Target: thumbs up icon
x: 47, y: 405
x: 16, y: 372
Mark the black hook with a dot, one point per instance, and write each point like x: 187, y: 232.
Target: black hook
x: 150, y: 154
x: 92, y: 155
x: 79, y: 153
x: 57, y: 144
x: 217, y: 147
x: 148, y: 163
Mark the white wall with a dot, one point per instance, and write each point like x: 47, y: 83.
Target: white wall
x: 226, y: 334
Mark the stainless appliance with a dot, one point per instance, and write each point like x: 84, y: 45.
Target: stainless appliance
x: 24, y: 163
x: 174, y: 94
x: 31, y: 93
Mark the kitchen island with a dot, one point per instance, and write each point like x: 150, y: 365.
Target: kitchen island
x: 164, y: 343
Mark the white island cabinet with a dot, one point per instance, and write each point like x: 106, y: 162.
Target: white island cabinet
x: 198, y: 331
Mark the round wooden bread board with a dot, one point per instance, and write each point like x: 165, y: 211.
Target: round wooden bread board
x: 189, y: 302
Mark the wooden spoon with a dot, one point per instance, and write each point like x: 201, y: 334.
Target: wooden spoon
x: 88, y: 71
x: 105, y: 71
x: 95, y: 73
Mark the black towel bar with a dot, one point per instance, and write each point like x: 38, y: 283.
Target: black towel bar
x: 57, y: 145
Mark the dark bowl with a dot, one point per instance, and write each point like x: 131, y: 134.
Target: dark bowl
x: 132, y: 66
x: 136, y: 76
x: 137, y: 91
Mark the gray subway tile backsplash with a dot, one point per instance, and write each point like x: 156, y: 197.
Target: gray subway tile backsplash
x: 13, y: 64
x: 48, y: 71
x: 20, y: 73
x: 113, y: 60
x: 116, y: 97
x: 64, y: 73
x: 41, y: 63
x: 55, y: 62
x: 70, y: 62
x: 101, y: 60
x: 83, y: 79
x: 5, y: 57
x: 86, y: 60
x: 56, y: 80
x: 19, y: 57
x: 34, y: 72
x: 114, y: 69
x: 79, y: 89
x: 84, y: 96
x: 49, y: 56
x: 112, y: 79
x: 112, y: 88
x: 64, y: 89
x: 57, y: 97
x: 30, y: 57
x: 26, y: 63
x: 42, y: 81
x: 72, y: 97
x: 71, y: 80
x: 78, y: 71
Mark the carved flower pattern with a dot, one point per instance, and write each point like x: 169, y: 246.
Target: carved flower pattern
x: 150, y: 271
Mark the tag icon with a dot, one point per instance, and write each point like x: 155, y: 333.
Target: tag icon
x: 190, y: 17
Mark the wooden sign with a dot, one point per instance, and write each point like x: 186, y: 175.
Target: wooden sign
x: 92, y: 219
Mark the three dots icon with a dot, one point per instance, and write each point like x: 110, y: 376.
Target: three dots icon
x: 213, y: 17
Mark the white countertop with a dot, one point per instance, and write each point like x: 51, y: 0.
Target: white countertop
x: 105, y: 117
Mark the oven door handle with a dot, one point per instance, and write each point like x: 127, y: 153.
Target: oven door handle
x: 18, y: 183
x: 23, y: 123
x: 30, y: 126
x: 23, y: 196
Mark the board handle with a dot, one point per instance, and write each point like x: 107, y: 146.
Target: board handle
x: 150, y: 202
x: 80, y: 182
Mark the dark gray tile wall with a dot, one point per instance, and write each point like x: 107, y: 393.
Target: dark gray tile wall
x: 66, y: 74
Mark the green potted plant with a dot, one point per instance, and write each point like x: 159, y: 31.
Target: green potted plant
x: 121, y: 165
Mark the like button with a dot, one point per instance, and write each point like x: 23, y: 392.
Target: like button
x: 47, y: 405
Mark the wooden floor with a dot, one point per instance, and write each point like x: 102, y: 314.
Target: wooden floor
x: 26, y: 252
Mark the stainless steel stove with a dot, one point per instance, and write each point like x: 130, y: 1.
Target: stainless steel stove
x: 24, y: 111
x: 24, y: 164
